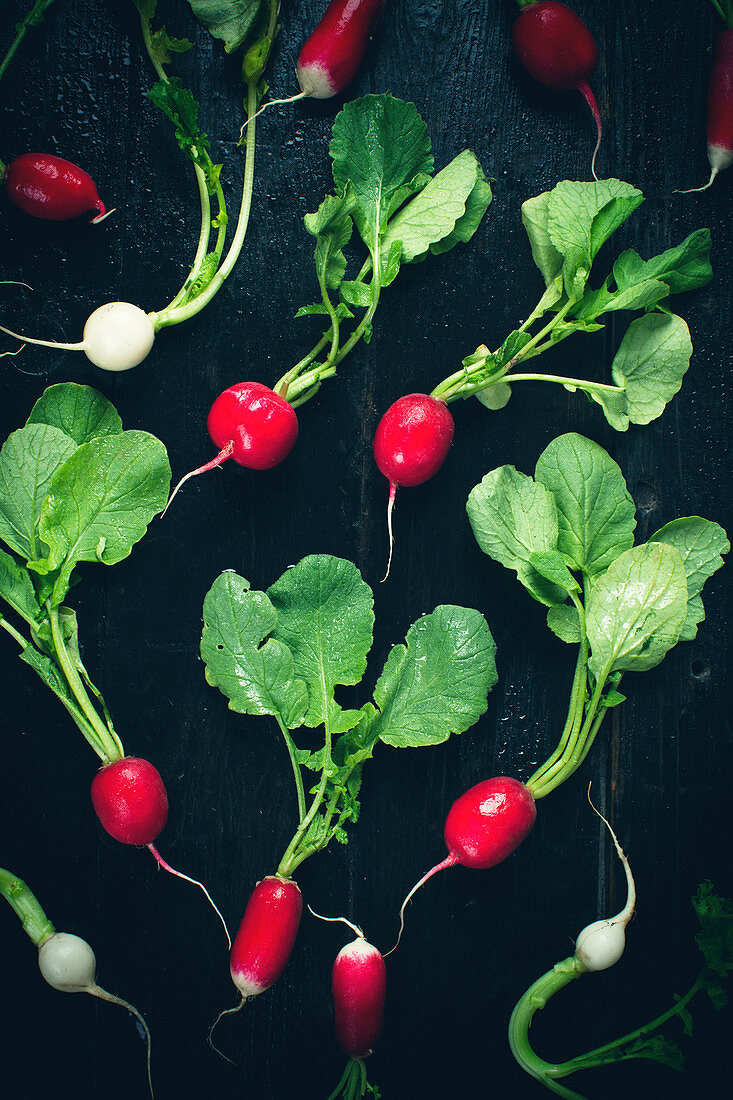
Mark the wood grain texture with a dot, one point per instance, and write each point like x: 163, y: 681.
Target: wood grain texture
x: 662, y: 767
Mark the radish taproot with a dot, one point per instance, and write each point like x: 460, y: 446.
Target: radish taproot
x: 51, y: 188
x: 331, y: 57
x: 557, y: 49
x: 250, y: 424
x: 266, y: 935
x: 66, y: 961
x: 411, y: 444
x: 719, y: 115
x: 117, y: 336
x: 359, y: 986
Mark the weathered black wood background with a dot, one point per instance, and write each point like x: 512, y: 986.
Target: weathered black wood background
x: 662, y: 766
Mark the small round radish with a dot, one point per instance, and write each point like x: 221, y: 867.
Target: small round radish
x: 51, y: 188
x: 331, y: 57
x: 410, y: 445
x: 484, y: 826
x: 117, y: 336
x: 557, y: 49
x: 251, y: 424
x: 602, y: 943
x: 130, y: 800
x: 358, y: 982
x: 266, y: 935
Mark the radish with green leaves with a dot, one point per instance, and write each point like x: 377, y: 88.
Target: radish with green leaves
x: 568, y: 533
x: 385, y: 189
x: 66, y: 961
x: 567, y: 227
x: 74, y: 488
x: 358, y: 986
x: 285, y: 653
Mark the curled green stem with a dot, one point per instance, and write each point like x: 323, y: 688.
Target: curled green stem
x: 25, y: 903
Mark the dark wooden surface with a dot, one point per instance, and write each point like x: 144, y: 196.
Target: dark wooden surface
x: 662, y: 766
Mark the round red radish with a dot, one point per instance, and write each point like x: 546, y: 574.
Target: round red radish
x: 130, y: 800
x: 259, y: 424
x: 266, y: 935
x: 359, y: 983
x: 51, y: 188
x: 413, y: 439
x: 331, y: 57
x: 489, y: 821
x: 720, y: 105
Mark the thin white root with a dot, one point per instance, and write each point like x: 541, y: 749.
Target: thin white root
x: 179, y: 874
x: 695, y: 190
x: 390, y: 509
x: 103, y: 995
x: 628, y: 910
x: 343, y: 920
x: 42, y: 343
x: 14, y: 282
x: 224, y: 1012
x: 221, y: 457
x: 16, y: 352
x: 270, y: 103
x: 449, y: 861
x: 101, y: 217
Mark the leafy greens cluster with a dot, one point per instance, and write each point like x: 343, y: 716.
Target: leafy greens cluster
x: 74, y: 487
x: 567, y: 227
x: 286, y: 651
x: 568, y: 533
x: 383, y: 168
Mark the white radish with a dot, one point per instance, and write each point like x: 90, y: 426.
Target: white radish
x: 117, y: 336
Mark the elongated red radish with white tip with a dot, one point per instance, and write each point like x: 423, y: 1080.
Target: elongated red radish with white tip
x: 130, y: 800
x: 266, y: 935
x: 117, y: 336
x: 557, y: 49
x: 251, y: 424
x: 719, y: 119
x: 484, y: 826
x: 51, y: 188
x: 359, y: 984
x: 331, y: 57
x: 411, y: 443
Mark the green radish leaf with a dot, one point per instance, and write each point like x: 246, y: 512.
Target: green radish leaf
x: 179, y: 105
x: 325, y: 618
x: 52, y: 678
x: 256, y: 675
x: 657, y: 1048
x: 649, y: 366
x: 513, y: 517
x: 715, y: 938
x: 432, y: 215
x: 477, y: 204
x: 564, y: 621
x: 380, y: 146
x: 229, y: 20
x: 701, y: 545
x: 100, y: 502
x: 319, y: 310
x: 331, y: 225
x: 580, y: 219
x: 29, y: 459
x: 16, y: 588
x: 594, y: 508
x: 80, y: 412
x: 535, y: 218
x: 496, y: 396
x: 613, y: 698
x: 356, y: 293
x: 636, y: 610
x: 551, y: 565
x: 164, y: 45
x: 438, y: 682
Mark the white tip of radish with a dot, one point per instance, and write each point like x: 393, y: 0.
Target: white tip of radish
x: 195, y: 882
x: 315, y: 81
x: 67, y: 963
x: 118, y: 336
x: 390, y: 510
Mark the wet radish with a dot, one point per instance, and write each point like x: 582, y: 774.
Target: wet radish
x: 117, y: 336
x: 51, y: 188
x: 266, y: 935
x: 331, y: 57
x: 359, y: 985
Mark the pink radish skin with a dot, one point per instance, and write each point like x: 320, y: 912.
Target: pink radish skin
x: 130, y: 800
x: 720, y: 107
x: 266, y: 935
x: 410, y: 445
x: 557, y: 49
x: 51, y: 188
x: 358, y: 982
x: 331, y: 57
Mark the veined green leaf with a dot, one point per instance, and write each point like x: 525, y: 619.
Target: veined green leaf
x: 256, y: 675
x: 325, y: 618
x: 594, y: 508
x: 80, y: 412
x: 636, y: 610
x: 477, y: 204
x: 437, y: 683
x: 100, y: 502
x: 701, y: 545
x: 564, y: 621
x: 29, y: 459
x: 551, y: 565
x: 715, y: 938
x: 16, y: 588
x: 650, y: 365
x: 229, y: 20
x: 535, y: 218
x: 331, y: 225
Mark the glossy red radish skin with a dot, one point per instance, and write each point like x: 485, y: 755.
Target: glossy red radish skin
x: 260, y: 425
x: 720, y: 105
x: 130, y: 800
x: 489, y: 821
x: 266, y: 935
x: 413, y: 439
x: 359, y: 983
x: 51, y: 188
x: 331, y: 57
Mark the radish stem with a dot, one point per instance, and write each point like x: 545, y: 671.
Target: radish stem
x: 25, y: 903
x: 32, y: 19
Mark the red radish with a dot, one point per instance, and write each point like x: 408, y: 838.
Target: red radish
x: 331, y: 57
x: 358, y: 982
x: 251, y: 424
x: 266, y: 935
x: 720, y: 106
x: 557, y: 49
x: 411, y: 444
x: 484, y: 826
x: 51, y: 188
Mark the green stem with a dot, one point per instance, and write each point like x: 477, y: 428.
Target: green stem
x: 295, y: 766
x: 33, y: 18
x: 532, y: 1001
x: 185, y: 312
x: 575, y: 713
x: 22, y: 642
x: 293, y: 858
x: 577, y: 383
x: 576, y: 748
x: 22, y: 899
x: 283, y: 385
x: 110, y: 747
